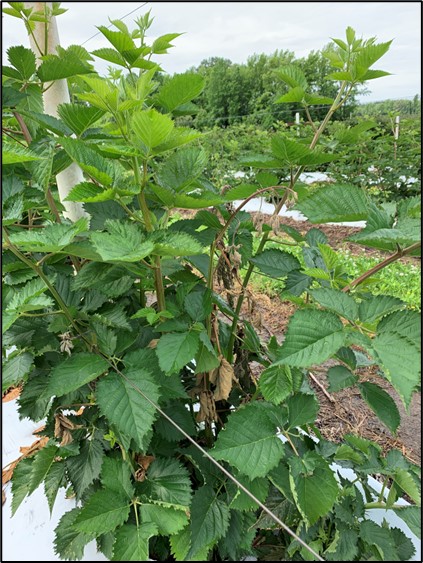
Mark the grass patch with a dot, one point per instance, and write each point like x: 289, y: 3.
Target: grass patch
x: 402, y: 280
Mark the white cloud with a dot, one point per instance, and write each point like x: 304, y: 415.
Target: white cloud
x: 236, y: 30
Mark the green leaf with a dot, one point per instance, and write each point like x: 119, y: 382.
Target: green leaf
x: 103, y: 512
x: 340, y: 377
x: 198, y: 304
x: 344, y: 546
x: 403, y: 545
x: 312, y: 337
x: 178, y: 412
x: 121, y: 403
x: 85, y: 467
x: 123, y: 242
x: 23, y: 60
x: 302, y: 409
x: 258, y: 487
x: 367, y: 57
x: 335, y: 203
x: 180, y: 89
x: 405, y: 481
x: 56, y: 68
x: 163, y: 43
x: 53, y: 481
x: 53, y: 238
x: 397, y: 346
x: 43, y: 461
x: 275, y: 263
x: 180, y: 546
x: 89, y: 192
x: 167, y: 481
x: 105, y: 171
x: 378, y: 306
x: 109, y: 55
x: 14, y: 154
x: 69, y: 544
x: 74, y: 372
x: 131, y: 542
x: 168, y: 519
x: 382, y: 404
x: 79, y: 117
x: 176, y: 350
x: 206, y: 358
x: 275, y: 383
x: 175, y: 244
x: 293, y: 76
x: 116, y: 476
x: 411, y: 515
x: 296, y: 283
x: 21, y: 482
x: 373, y: 534
x: 181, y: 169
x: 209, y: 519
x: 336, y: 301
x: 249, y: 441
x: 151, y: 127
x: 313, y: 485
x: 15, y: 369
x: 296, y: 94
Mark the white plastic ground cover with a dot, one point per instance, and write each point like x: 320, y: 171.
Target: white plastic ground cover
x: 29, y: 534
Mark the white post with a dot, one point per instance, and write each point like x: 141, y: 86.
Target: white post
x: 396, y: 135
x: 396, y: 131
x: 297, y: 121
x: 56, y: 94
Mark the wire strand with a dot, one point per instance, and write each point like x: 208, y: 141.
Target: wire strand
x: 109, y: 26
x: 217, y: 464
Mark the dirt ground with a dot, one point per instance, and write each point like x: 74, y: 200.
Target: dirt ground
x: 345, y: 411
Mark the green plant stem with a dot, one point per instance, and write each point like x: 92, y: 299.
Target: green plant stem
x: 42, y: 314
x: 134, y: 504
x: 158, y: 277
x: 384, y: 485
x: 377, y: 504
x: 399, y: 254
x: 264, y: 238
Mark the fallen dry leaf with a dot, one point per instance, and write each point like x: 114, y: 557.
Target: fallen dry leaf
x: 12, y: 394
x: 26, y: 451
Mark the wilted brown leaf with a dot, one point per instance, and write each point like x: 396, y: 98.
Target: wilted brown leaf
x: 224, y: 380
x: 207, y: 412
x: 144, y: 462
x: 63, y: 427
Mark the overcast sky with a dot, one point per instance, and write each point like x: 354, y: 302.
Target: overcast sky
x: 236, y: 30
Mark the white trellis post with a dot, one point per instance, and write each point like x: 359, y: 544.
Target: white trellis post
x: 57, y: 93
x: 396, y: 135
x: 297, y: 121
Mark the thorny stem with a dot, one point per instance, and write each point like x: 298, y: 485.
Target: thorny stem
x: 399, y: 254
